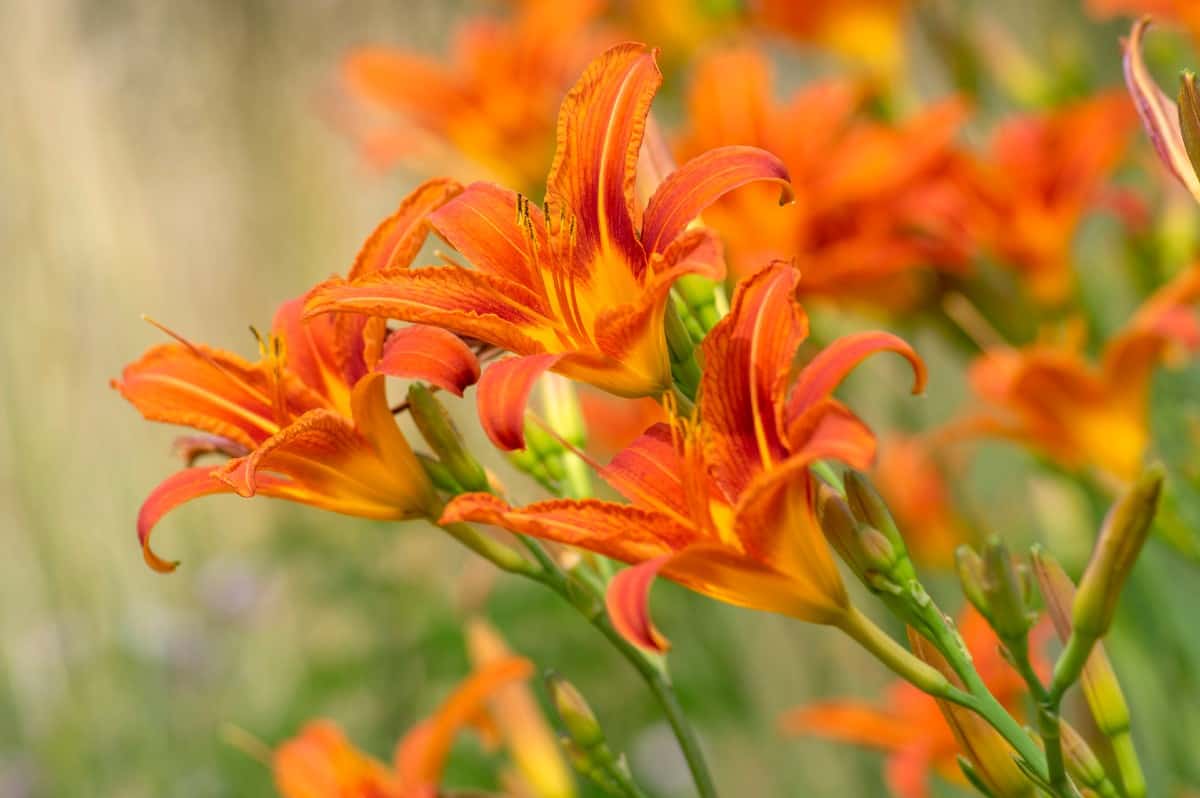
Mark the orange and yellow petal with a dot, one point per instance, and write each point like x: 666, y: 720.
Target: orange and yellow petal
x: 430, y: 354
x: 321, y: 763
x: 503, y: 395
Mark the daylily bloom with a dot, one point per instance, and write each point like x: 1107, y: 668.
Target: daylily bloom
x: 912, y: 480
x: 1183, y: 12
x: 1050, y: 397
x: 873, y: 201
x: 309, y: 421
x: 322, y: 763
x: 493, y: 100
x: 1042, y: 174
x: 867, y: 32
x: 908, y: 726
x: 721, y: 503
x: 580, y: 286
x: 1160, y: 115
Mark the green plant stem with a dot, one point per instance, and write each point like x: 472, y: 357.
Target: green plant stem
x: 896, y: 657
x: 1048, y: 715
x: 584, y: 598
x: 1128, y: 765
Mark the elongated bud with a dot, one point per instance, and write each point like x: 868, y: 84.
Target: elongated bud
x: 439, y: 431
x: 991, y: 761
x: 969, y: 565
x: 439, y: 475
x: 573, y: 710
x: 867, y: 551
x: 1002, y: 587
x: 869, y: 509
x: 1189, y: 117
x: 1100, y: 685
x: 1125, y: 530
x: 1082, y: 763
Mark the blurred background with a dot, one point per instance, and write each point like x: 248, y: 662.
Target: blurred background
x: 179, y: 160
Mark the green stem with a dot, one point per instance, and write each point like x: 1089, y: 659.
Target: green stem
x: 1128, y: 765
x: 896, y: 657
x: 592, y: 607
x: 1048, y: 716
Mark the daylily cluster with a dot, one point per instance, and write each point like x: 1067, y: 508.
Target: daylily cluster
x: 671, y: 295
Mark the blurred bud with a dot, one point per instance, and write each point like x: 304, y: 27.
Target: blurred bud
x: 1082, y: 763
x: 869, y: 508
x: 1100, y: 685
x: 573, y: 710
x: 969, y: 565
x: 1002, y: 589
x: 991, y: 763
x: 1189, y: 117
x: 867, y: 551
x: 561, y: 406
x: 438, y: 430
x: 1125, y: 530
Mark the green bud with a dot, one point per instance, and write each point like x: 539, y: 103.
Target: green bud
x: 970, y: 569
x: 1189, y: 117
x: 439, y: 431
x: 867, y: 551
x: 1121, y: 538
x: 573, y: 710
x: 869, y: 509
x: 1002, y: 591
x: 1082, y: 763
x: 439, y: 475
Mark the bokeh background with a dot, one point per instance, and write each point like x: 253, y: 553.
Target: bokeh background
x: 179, y: 160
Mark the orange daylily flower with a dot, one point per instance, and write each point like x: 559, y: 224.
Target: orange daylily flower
x: 579, y: 287
x: 322, y: 763
x: 533, y: 747
x: 909, y: 727
x: 867, y: 32
x: 309, y: 421
x: 1049, y: 397
x: 494, y: 100
x: 721, y: 503
x: 873, y: 201
x: 1185, y: 13
x: 1042, y: 173
x: 912, y: 480
x: 613, y: 423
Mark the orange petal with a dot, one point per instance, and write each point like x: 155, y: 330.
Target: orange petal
x: 481, y: 223
x: 320, y: 762
x: 398, y: 238
x: 851, y: 722
x: 503, y: 394
x: 649, y: 472
x: 326, y: 353
x: 625, y: 533
x: 421, y: 756
x: 180, y: 487
x: 210, y: 390
x: 907, y: 771
x: 467, y: 302
x: 600, y: 126
x: 825, y: 372
x: 702, y: 181
x: 748, y: 357
x: 832, y: 420
x: 628, y: 603
x: 397, y: 80
x: 430, y: 354
x: 1160, y: 116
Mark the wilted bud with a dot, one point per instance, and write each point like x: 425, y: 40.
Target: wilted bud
x: 439, y: 431
x: 573, y: 710
x: 1125, y: 530
x: 1189, y: 117
x: 1082, y: 763
x: 1100, y: 686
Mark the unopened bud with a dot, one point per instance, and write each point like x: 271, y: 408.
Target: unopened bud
x: 1082, y: 763
x: 703, y: 303
x: 867, y: 551
x: 439, y: 475
x: 1006, y: 608
x: 970, y: 569
x: 573, y: 710
x: 1189, y: 117
x: 439, y: 431
x: 1100, y: 685
x: 869, y: 508
x: 542, y: 458
x: 1121, y: 538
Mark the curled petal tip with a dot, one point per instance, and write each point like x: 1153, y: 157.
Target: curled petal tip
x: 628, y: 603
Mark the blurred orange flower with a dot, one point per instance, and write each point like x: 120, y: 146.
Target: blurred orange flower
x: 1182, y: 12
x: 1042, y: 173
x: 721, y: 502
x: 909, y: 727
x: 322, y: 763
x: 866, y: 32
x: 494, y: 100
x: 911, y: 479
x: 580, y: 286
x: 1049, y: 397
x: 874, y: 201
x: 309, y: 421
